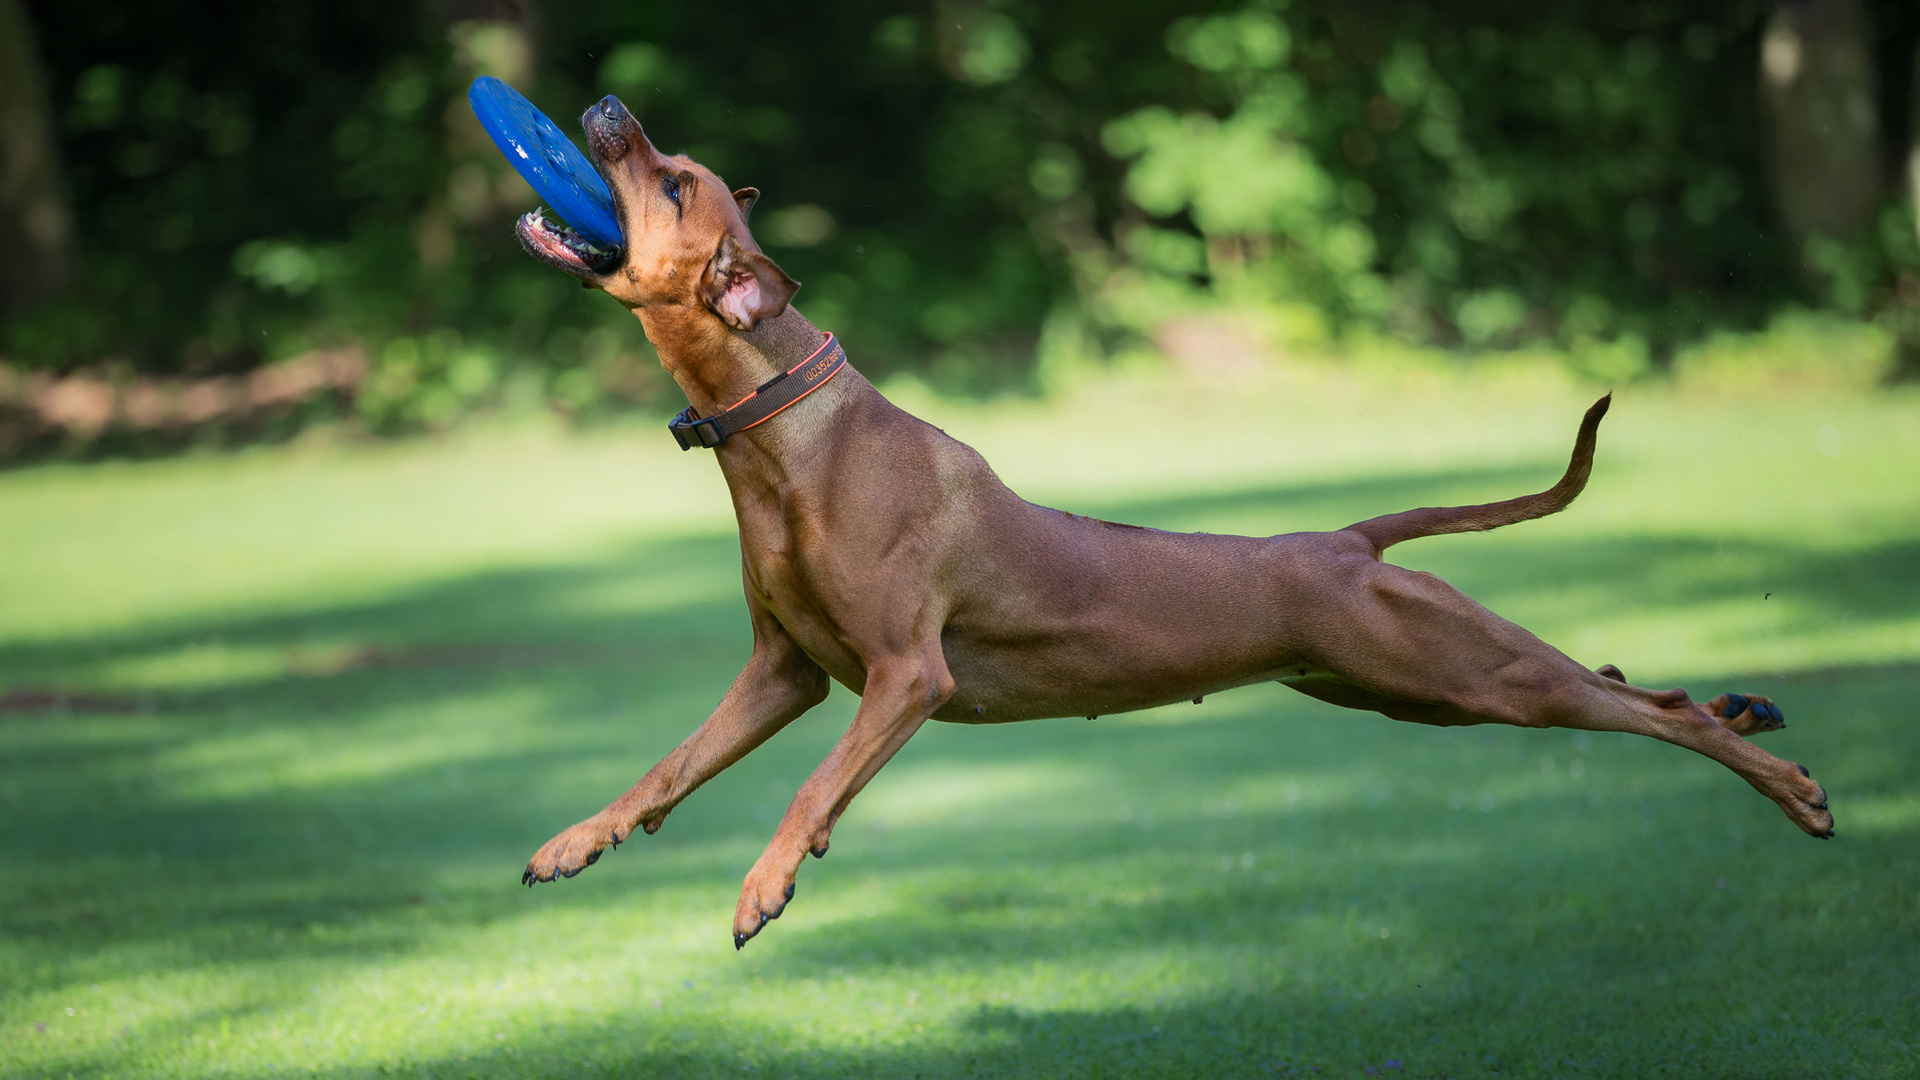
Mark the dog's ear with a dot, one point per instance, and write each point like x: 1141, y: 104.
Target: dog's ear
x: 744, y: 287
x: 744, y: 199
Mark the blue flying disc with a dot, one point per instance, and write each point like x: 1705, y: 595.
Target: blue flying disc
x: 547, y: 159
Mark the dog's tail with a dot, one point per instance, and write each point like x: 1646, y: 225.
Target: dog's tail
x: 1385, y: 531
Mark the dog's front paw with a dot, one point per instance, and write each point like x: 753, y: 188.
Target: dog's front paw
x: 1746, y: 714
x: 571, y: 852
x: 762, y: 900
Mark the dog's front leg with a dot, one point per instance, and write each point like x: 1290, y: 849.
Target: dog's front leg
x: 778, y: 684
x: 899, y: 696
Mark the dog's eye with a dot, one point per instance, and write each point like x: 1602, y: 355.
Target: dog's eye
x: 671, y: 187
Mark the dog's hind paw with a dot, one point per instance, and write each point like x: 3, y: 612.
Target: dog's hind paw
x: 571, y: 852
x: 1746, y: 714
x: 1803, y: 800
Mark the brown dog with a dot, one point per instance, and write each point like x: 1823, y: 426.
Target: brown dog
x: 883, y: 555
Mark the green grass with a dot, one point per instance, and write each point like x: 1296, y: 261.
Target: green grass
x: 366, y: 682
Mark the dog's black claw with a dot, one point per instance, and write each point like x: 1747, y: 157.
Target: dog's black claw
x: 526, y: 877
x: 1734, y: 707
x: 739, y: 941
x: 1803, y: 770
x: 616, y: 842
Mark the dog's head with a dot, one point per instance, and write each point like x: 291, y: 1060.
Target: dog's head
x: 684, y: 236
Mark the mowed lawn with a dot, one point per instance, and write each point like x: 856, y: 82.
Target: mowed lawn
x: 282, y: 727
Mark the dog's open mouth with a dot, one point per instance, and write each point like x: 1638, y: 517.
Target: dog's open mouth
x: 547, y: 239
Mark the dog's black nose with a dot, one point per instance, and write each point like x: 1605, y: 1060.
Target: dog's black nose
x: 611, y: 107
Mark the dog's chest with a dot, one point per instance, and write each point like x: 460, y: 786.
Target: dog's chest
x: 795, y: 579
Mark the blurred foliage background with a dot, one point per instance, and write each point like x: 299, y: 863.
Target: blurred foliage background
x: 970, y: 191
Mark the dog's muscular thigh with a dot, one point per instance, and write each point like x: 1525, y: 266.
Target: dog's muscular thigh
x: 1410, y: 636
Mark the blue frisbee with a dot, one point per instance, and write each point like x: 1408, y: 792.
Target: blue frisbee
x: 547, y: 159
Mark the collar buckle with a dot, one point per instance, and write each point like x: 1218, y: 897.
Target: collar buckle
x: 690, y: 430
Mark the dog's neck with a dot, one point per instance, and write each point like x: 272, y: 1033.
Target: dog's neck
x: 715, y: 366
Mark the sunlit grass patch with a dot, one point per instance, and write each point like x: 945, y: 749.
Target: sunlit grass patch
x: 1888, y: 814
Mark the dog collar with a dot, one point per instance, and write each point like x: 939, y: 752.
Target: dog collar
x: 690, y: 429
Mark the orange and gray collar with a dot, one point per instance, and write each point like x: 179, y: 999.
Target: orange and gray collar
x: 690, y: 429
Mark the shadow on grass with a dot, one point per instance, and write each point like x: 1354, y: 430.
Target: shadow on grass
x: 1288, y: 1032
x: 377, y: 812
x: 1679, y: 925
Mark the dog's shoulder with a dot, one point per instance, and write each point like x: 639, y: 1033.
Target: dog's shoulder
x: 910, y: 444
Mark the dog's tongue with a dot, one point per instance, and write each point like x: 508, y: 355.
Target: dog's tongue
x: 547, y: 159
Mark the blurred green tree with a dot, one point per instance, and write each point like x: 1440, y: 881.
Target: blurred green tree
x: 36, y: 224
x: 251, y: 180
x: 1473, y: 174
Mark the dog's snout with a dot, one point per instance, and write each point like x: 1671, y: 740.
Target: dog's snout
x: 612, y: 132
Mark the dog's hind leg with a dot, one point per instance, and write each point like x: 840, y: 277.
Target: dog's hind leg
x: 899, y: 695
x: 778, y: 684
x: 1414, y: 648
